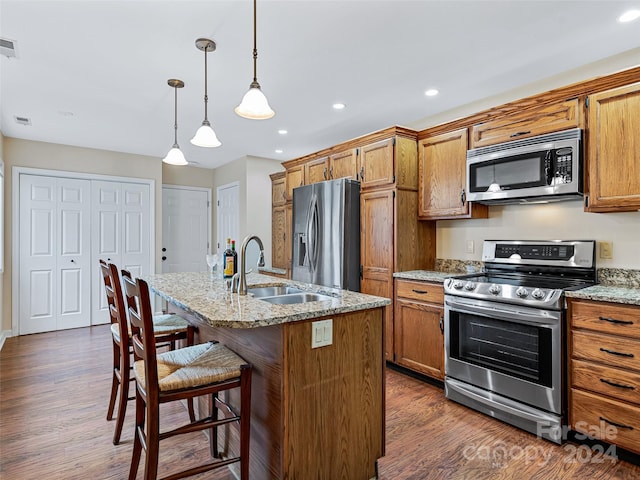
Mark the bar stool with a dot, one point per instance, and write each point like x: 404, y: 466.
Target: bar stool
x: 185, y: 373
x: 167, y: 329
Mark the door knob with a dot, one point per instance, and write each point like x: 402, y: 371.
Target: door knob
x: 164, y: 258
x: 164, y: 249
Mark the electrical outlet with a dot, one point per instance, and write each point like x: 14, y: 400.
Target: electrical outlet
x: 470, y: 246
x: 321, y: 333
x: 606, y: 250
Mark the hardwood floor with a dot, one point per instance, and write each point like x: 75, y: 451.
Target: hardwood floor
x: 54, y: 391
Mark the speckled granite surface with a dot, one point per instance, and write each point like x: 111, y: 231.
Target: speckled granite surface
x: 210, y: 300
x: 425, y: 275
x: 456, y: 266
x: 617, y: 285
x: 268, y: 270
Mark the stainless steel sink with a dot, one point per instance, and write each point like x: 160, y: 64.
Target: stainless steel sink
x: 259, y: 292
x: 292, y: 298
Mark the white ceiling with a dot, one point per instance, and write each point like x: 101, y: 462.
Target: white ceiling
x: 94, y: 73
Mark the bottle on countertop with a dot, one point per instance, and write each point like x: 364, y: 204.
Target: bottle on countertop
x: 228, y: 261
x: 235, y: 256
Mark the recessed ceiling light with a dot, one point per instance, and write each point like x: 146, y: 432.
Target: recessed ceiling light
x: 282, y: 131
x: 279, y: 151
x: 431, y: 92
x: 629, y: 16
x: 338, y: 106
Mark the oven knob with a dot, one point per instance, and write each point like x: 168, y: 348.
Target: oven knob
x: 494, y: 289
x: 522, y: 292
x: 457, y: 284
x: 537, y: 294
x: 469, y: 286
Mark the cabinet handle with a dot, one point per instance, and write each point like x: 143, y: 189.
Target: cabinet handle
x: 517, y: 134
x: 619, y: 425
x: 421, y: 292
x: 361, y: 173
x: 463, y: 196
x: 284, y: 195
x: 620, y: 354
x: 613, y: 320
x: 614, y: 384
x: 441, y: 323
x: 331, y: 171
x: 324, y: 173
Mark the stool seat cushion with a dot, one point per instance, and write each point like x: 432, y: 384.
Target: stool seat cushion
x: 193, y: 366
x: 164, y: 324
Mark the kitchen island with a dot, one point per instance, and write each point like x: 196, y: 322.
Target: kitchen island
x: 315, y: 412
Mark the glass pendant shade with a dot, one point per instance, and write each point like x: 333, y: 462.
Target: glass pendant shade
x: 205, y: 137
x: 494, y: 187
x: 254, y: 105
x: 175, y: 157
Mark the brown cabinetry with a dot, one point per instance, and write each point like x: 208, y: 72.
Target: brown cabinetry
x: 280, y: 224
x: 419, y: 327
x: 316, y: 170
x: 442, y: 178
x: 604, y: 342
x: 528, y: 123
x: 278, y: 189
x: 295, y: 177
x: 344, y: 164
x: 614, y: 150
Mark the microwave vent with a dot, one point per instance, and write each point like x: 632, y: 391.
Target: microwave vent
x: 549, y: 137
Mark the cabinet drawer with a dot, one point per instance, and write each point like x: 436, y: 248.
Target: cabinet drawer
x: 615, y: 422
x: 529, y: 123
x: 614, y: 351
x: 606, y: 317
x: 614, y: 382
x: 425, y: 292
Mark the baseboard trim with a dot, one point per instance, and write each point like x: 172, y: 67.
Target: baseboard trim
x: 3, y: 336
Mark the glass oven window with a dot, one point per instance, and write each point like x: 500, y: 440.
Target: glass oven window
x: 519, y: 350
x: 518, y: 171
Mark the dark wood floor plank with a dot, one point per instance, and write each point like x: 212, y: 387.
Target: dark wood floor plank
x: 54, y: 391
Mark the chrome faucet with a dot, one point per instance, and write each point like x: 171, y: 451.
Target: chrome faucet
x: 242, y: 287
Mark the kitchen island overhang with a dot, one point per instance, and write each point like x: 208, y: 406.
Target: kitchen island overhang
x: 316, y: 412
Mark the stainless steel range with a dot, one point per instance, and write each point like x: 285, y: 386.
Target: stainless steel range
x: 505, y: 331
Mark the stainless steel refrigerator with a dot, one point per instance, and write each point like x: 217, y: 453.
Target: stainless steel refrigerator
x: 326, y: 234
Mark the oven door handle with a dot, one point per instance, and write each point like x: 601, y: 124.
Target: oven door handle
x: 541, y: 318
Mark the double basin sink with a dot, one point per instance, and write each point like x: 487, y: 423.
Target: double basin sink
x: 284, y: 295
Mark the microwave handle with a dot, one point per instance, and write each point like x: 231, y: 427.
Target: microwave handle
x: 548, y: 170
x: 519, y: 134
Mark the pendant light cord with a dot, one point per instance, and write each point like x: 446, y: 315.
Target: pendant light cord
x: 206, y: 97
x: 175, y: 117
x: 255, y: 47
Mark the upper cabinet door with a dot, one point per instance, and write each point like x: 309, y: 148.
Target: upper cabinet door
x: 377, y: 164
x: 614, y: 150
x: 316, y: 170
x: 278, y: 189
x: 344, y: 164
x: 442, y: 178
x: 529, y: 123
x: 294, y: 179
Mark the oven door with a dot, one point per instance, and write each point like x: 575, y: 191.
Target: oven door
x: 511, y: 350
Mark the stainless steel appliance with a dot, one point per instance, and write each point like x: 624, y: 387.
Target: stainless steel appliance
x: 546, y: 168
x: 505, y: 331
x: 326, y: 234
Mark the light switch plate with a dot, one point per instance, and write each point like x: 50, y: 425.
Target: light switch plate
x: 321, y: 333
x: 470, y: 246
x: 606, y: 250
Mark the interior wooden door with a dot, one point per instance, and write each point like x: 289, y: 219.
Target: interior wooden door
x: 54, y: 269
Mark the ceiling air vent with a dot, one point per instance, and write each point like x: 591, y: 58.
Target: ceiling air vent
x: 8, y: 48
x: 23, y: 120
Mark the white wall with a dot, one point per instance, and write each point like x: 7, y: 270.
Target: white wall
x: 564, y: 220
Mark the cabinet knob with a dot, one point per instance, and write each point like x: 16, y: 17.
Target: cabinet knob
x: 463, y: 196
x: 164, y: 258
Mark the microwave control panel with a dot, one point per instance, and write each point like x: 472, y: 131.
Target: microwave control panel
x: 559, y: 166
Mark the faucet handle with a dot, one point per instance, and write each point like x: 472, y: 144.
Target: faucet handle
x: 235, y: 281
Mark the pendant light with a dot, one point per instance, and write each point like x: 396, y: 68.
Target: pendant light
x: 175, y: 156
x: 205, y: 136
x: 495, y: 186
x: 254, y: 104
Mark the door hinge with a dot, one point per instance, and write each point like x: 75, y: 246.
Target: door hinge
x: 394, y: 141
x: 361, y: 271
x: 394, y: 194
x: 208, y: 203
x: 218, y: 202
x: 393, y: 179
x: 586, y: 201
x: 586, y: 102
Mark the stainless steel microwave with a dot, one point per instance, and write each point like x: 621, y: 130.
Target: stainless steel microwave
x: 546, y: 168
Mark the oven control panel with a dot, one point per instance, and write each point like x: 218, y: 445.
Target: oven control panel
x: 556, y: 253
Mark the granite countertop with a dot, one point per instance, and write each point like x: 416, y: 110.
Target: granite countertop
x: 426, y: 275
x: 277, y: 271
x: 209, y: 300
x: 607, y: 293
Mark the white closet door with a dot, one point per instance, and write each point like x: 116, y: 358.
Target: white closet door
x: 120, y: 234
x: 185, y: 230
x: 54, y: 291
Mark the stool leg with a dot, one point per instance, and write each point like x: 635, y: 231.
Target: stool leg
x: 213, y: 433
x: 137, y: 442
x: 192, y: 412
x: 153, y: 442
x: 114, y: 381
x: 245, y: 417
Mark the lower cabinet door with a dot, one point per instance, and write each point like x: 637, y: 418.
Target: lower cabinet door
x: 419, y: 339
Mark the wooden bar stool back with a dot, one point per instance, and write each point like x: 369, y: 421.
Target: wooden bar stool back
x: 167, y: 328
x: 186, y: 373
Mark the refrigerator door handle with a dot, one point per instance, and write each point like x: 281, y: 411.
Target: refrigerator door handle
x: 313, y: 234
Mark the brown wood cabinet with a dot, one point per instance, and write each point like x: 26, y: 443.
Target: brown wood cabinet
x: 530, y: 122
x: 316, y: 170
x: 614, y: 150
x: 604, y: 373
x: 280, y: 224
x: 295, y: 177
x: 278, y: 189
x: 442, y: 178
x: 345, y: 164
x: 419, y: 327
